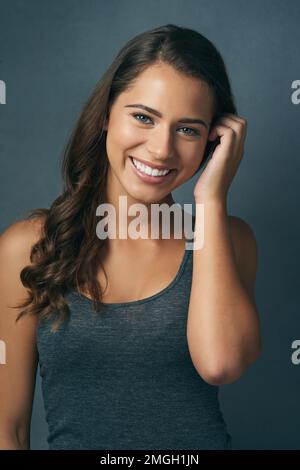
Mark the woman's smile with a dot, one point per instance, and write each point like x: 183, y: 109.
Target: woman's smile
x: 150, y: 175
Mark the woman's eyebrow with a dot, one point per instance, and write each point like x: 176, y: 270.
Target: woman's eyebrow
x: 184, y: 120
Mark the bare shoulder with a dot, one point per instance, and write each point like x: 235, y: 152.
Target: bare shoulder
x: 21, y: 234
x: 16, y: 242
x: 18, y: 373
x: 246, y: 251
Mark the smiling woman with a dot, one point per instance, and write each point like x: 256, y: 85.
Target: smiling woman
x: 130, y: 364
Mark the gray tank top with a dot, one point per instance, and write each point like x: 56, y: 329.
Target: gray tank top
x: 123, y: 378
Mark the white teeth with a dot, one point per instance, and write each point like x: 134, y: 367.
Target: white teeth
x: 149, y: 171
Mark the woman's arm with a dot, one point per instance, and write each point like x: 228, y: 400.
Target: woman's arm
x: 18, y: 374
x: 223, y: 328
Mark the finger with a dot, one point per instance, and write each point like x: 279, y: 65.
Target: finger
x: 239, y: 135
x: 220, y: 130
x: 227, y: 137
x: 238, y: 126
x: 236, y: 117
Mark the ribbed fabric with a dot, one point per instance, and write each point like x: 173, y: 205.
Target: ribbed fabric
x: 123, y: 378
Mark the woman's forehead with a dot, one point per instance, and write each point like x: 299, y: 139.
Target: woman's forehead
x: 165, y: 90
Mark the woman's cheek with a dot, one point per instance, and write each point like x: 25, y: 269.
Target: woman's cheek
x: 193, y: 161
x: 117, y: 142
x: 128, y: 138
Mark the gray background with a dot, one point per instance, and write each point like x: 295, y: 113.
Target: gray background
x: 53, y: 53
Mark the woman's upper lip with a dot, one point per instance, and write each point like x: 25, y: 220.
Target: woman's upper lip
x: 159, y: 167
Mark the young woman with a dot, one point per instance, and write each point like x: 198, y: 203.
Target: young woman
x: 134, y: 336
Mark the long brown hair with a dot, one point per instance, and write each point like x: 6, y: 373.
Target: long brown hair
x: 68, y: 255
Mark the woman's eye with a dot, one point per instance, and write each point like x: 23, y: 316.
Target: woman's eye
x: 194, y: 131
x: 138, y: 114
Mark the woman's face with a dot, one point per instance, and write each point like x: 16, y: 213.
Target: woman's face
x: 157, y: 140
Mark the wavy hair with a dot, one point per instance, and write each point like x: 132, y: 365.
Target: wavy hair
x: 67, y: 256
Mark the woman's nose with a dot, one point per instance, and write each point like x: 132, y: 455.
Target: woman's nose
x: 161, y: 144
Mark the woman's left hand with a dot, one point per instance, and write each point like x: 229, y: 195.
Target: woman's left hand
x: 215, y: 180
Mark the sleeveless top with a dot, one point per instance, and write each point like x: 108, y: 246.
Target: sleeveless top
x: 123, y: 378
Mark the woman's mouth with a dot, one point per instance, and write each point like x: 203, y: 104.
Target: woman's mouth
x: 150, y: 175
